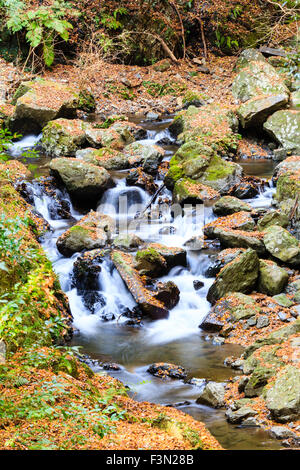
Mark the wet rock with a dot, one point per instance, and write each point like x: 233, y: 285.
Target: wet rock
x: 25, y: 190
x: 86, y: 270
x: 150, y: 262
x: 105, y: 157
x: 164, y: 370
x: 272, y: 279
x: 128, y: 131
x: 110, y: 366
x: 228, y: 205
x: 213, y: 394
x: 198, y: 284
x: 168, y: 293
x: 43, y: 100
x: 248, y: 188
x: 283, y: 300
x: 238, y: 276
x: 283, y: 398
x: 288, y: 186
x: 137, y: 177
x: 84, y: 181
x: 93, y: 231
x: 146, y: 156
x: 144, y: 297
x: 174, y: 256
x: 284, y: 127
x: 197, y: 382
x: 237, y: 417
x: 282, y: 245
x: 272, y: 217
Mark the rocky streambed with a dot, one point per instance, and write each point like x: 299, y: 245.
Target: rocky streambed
x: 178, y: 255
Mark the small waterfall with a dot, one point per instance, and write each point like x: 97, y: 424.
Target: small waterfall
x: 27, y: 142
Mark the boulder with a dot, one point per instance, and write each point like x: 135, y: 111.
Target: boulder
x: 293, y: 290
x: 128, y: 242
x: 150, y: 262
x: 282, y: 245
x: 223, y: 258
x: 174, y: 256
x: 129, y: 131
x: 187, y: 191
x: 105, y: 138
x: 287, y: 178
x: 283, y: 398
x: 164, y: 370
x: 93, y: 231
x: 137, y: 177
x: 43, y: 100
x: 272, y: 217
x: 168, y: 293
x: 230, y: 309
x: 240, y: 239
x: 281, y: 432
x: 213, y: 394
x: 147, y: 156
x: 63, y: 137
x: 272, y: 279
x: 257, y: 381
x: 221, y: 175
x: 247, y: 56
x: 84, y: 181
x: 86, y: 270
x: 258, y: 79
x: 237, y: 221
x: 105, y: 157
x: 228, y: 205
x: 254, y: 112
x: 238, y: 416
x: 284, y: 127
x: 238, y: 276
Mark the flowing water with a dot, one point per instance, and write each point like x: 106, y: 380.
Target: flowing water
x: 176, y: 339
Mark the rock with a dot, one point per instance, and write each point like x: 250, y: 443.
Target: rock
x: 110, y: 366
x: 241, y: 221
x: 152, y: 116
x: 93, y: 231
x: 284, y: 127
x: 262, y: 322
x: 84, y: 181
x: 189, y: 192
x: 223, y: 258
x: 271, y: 51
x: 198, y: 284
x: 288, y: 186
x: 255, y: 111
x: 137, y: 177
x: 238, y: 276
x: 257, y: 381
x: 295, y: 99
x: 86, y: 270
x: 145, y: 299
x: 168, y: 293
x: 197, y: 382
x: 162, y: 65
x: 237, y: 417
x: 105, y: 157
x: 247, y: 56
x: 232, y: 308
x: 106, y: 138
x: 281, y: 432
x: 150, y: 262
x: 128, y: 131
x: 213, y: 394
x: 248, y: 188
x: 272, y: 279
x: 272, y: 217
x: 63, y: 137
x: 258, y: 79
x: 282, y: 245
x: 43, y: 100
x: 240, y: 239
x: 293, y: 290
x: 228, y: 205
x: 128, y: 242
x: 283, y: 398
x: 174, y: 256
x: 147, y: 156
x: 283, y: 300
x: 164, y: 370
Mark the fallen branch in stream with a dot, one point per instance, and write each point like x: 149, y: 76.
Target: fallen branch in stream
x: 152, y: 199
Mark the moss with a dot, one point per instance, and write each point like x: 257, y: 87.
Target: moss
x: 287, y: 187
x: 218, y: 169
x: 150, y: 255
x: 86, y: 101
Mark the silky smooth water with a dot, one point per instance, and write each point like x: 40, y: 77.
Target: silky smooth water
x: 176, y: 339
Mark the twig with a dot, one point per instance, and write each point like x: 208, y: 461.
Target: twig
x: 203, y: 37
x: 182, y: 27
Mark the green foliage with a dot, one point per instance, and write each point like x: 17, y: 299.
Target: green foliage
x: 225, y: 42
x: 158, y: 89
x: 6, y: 139
x: 42, y: 26
x: 111, y: 21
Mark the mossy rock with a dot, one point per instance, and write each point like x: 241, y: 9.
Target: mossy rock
x: 284, y: 127
x: 63, y: 137
x: 105, y: 157
x: 272, y: 278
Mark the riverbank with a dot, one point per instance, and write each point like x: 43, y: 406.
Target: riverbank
x: 139, y: 297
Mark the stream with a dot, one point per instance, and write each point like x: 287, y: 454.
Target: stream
x: 177, y: 339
